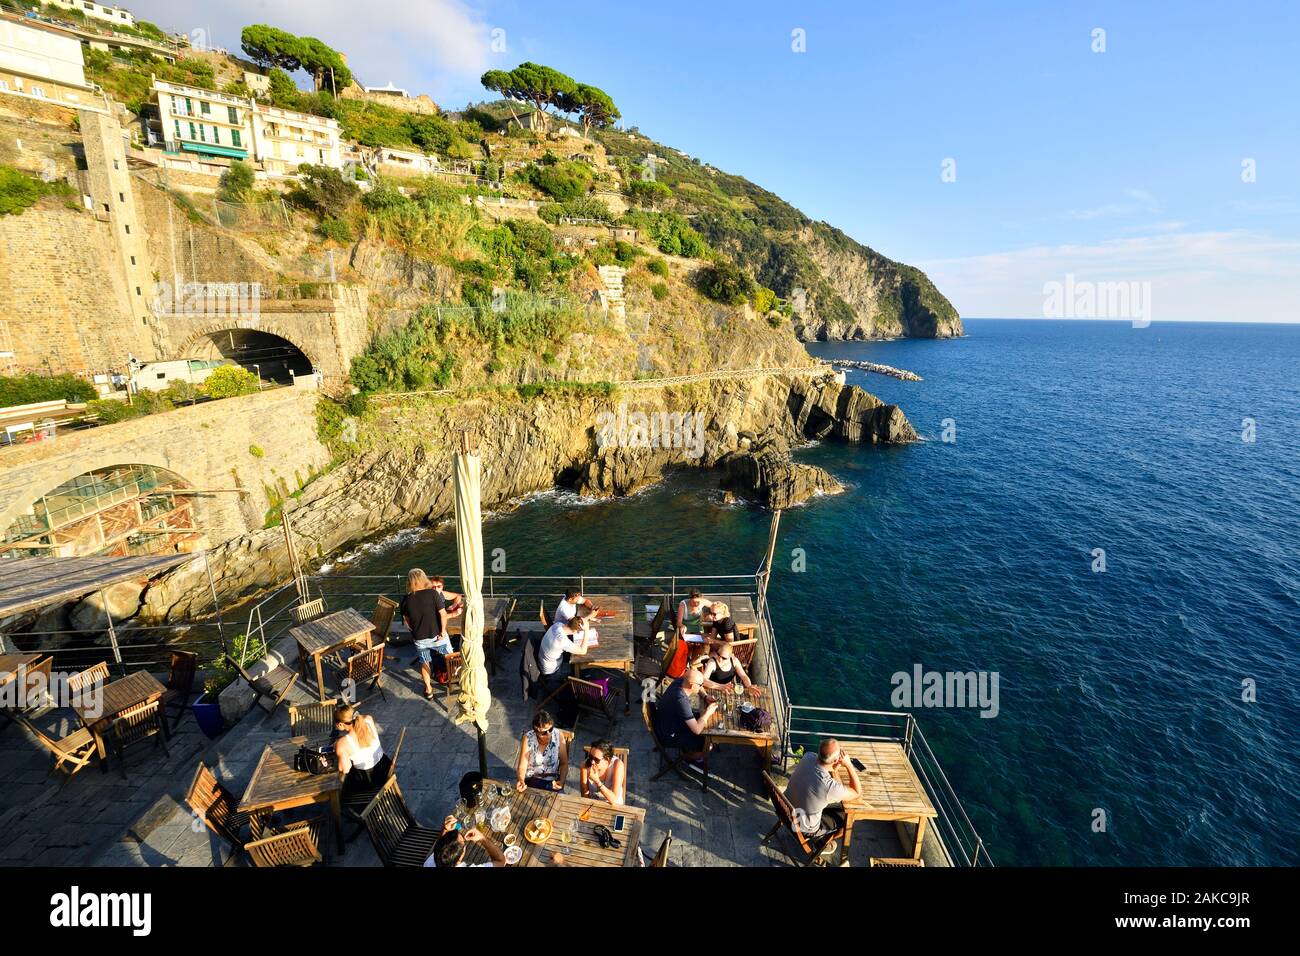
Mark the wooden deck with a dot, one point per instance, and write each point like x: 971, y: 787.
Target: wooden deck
x: 100, y: 819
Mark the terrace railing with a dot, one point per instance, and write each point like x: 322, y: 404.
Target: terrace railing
x: 808, y: 725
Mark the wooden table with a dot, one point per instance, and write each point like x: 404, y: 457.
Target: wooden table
x: 616, y: 650
x: 724, y: 726
x: 524, y: 808
x: 276, y: 786
x: 583, y: 849
x: 890, y: 791
x: 25, y: 666
x: 495, y: 610
x: 139, y: 687
x: 328, y: 634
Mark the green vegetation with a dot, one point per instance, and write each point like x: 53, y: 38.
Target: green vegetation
x: 268, y: 46
x: 324, y: 191
x: 724, y: 281
x: 658, y: 267
x: 257, y: 451
x: 19, y: 191
x: 222, y: 674
x: 229, y: 381
x: 670, y: 232
x: 649, y: 192
x: 32, y: 388
x: 127, y: 76
x: 237, y: 182
x: 585, y: 208
x: 564, y: 181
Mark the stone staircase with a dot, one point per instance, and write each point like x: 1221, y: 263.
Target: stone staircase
x: 612, y: 296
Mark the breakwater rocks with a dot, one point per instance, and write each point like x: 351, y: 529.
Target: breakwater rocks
x: 403, y: 477
x: 899, y: 373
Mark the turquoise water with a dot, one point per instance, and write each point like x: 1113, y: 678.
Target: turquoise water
x: 1119, y: 690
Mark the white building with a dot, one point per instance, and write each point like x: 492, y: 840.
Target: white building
x: 284, y: 140
x: 389, y: 90
x: 156, y: 376
x: 216, y: 124
x: 405, y: 161
x: 42, y: 63
x: 97, y: 11
x: 204, y: 122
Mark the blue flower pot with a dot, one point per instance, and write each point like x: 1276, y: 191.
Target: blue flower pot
x: 208, y: 715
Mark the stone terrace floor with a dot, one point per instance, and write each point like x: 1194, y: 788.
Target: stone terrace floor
x: 106, y: 819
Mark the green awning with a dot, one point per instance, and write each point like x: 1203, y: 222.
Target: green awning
x: 213, y: 150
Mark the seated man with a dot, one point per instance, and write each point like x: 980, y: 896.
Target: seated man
x: 567, y: 609
x: 562, y: 637
x: 815, y: 792
x: 675, y: 720
x: 450, y: 849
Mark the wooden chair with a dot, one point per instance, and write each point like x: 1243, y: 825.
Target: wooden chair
x: 810, y: 846
x: 78, y: 683
x: 136, y: 725
x: 216, y: 807
x: 544, y: 616
x: 661, y: 858
x: 274, y: 686
x: 455, y: 665
x: 295, y: 845
x: 180, y: 684
x: 71, y: 753
x: 355, y: 801
x: 894, y: 861
x: 382, y: 619
x: 594, y: 699
x: 367, y: 665
x: 498, y: 637
x: 315, y: 721
x: 398, y: 839
x: 666, y: 761
x: 643, y: 632
x: 307, y: 611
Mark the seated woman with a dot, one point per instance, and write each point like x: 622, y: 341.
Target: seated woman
x: 604, y: 776
x: 362, y: 761
x: 721, y: 669
x: 712, y: 613
x: 543, y: 756
x: 689, y: 611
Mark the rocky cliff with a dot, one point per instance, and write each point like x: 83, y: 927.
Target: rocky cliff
x: 402, y: 475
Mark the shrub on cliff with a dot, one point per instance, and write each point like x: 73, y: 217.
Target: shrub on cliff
x: 237, y: 182
x: 228, y: 381
x: 29, y: 389
x: 324, y: 191
x: 562, y: 181
x: 670, y: 232
x: 18, y: 191
x: 724, y: 281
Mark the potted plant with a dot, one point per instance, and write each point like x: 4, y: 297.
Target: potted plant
x: 207, y: 709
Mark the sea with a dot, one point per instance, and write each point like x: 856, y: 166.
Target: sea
x: 1106, y: 518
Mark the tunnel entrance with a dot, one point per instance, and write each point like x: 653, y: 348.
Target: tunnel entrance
x: 274, y: 358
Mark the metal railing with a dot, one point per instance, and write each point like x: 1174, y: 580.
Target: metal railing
x: 807, y: 725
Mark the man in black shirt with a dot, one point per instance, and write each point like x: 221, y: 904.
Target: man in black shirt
x: 675, y: 720
x: 427, y: 614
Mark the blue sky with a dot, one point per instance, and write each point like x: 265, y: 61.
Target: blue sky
x: 1122, y: 165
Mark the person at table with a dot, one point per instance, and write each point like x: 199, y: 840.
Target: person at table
x: 690, y: 610
x: 562, y: 637
x: 712, y: 614
x: 676, y: 722
x: 604, y: 776
x: 815, y: 792
x: 455, y: 602
x: 362, y: 761
x: 721, y: 669
x: 543, y: 756
x: 449, y: 850
x: 573, y: 602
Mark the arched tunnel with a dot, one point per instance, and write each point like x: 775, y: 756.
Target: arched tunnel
x: 270, y: 356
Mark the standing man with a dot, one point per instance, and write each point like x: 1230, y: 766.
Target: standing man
x: 424, y: 609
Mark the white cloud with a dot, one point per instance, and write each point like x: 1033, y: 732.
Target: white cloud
x: 438, y: 47
x: 1138, y: 201
x: 1198, y: 276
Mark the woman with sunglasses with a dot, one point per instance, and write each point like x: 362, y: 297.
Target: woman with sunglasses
x: 543, y: 756
x: 604, y: 777
x: 362, y: 761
